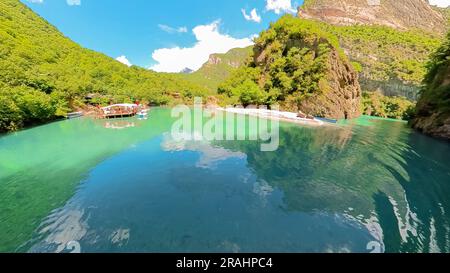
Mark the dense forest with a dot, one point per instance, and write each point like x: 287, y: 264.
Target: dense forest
x: 385, y: 54
x: 44, y: 75
x: 378, y: 105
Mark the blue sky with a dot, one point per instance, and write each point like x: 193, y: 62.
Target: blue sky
x: 162, y: 35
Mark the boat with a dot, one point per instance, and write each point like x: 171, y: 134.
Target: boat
x: 327, y: 120
x: 142, y: 114
x: 74, y: 115
x: 119, y: 110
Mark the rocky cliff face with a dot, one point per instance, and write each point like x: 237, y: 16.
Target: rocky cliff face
x: 433, y: 108
x: 342, y: 96
x: 398, y: 14
x: 298, y: 53
x: 390, y: 39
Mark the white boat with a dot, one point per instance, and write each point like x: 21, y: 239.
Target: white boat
x: 142, y: 114
x: 74, y: 115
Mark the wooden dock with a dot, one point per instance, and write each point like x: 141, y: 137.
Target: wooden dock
x: 119, y: 111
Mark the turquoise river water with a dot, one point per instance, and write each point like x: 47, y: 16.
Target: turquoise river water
x: 368, y: 185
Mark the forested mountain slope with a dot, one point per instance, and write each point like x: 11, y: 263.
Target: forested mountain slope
x: 43, y: 74
x: 390, y: 40
x: 219, y: 67
x: 300, y: 66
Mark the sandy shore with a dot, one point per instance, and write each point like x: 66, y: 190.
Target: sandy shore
x: 273, y: 115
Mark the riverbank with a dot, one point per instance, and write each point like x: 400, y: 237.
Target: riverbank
x: 273, y: 115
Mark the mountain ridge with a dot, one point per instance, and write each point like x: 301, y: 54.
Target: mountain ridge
x: 44, y: 74
x: 219, y: 67
x: 398, y: 14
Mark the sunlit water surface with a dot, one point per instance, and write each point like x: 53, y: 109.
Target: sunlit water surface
x: 127, y: 186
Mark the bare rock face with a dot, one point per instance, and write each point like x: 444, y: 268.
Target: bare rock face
x: 343, y: 96
x: 399, y: 14
x: 214, y: 60
x: 433, y: 125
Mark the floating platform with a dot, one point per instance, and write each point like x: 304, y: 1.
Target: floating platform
x: 119, y: 111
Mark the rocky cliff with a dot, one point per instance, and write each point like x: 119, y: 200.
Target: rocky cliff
x: 340, y: 97
x: 398, y: 14
x: 433, y: 109
x: 390, y: 40
x: 299, y: 66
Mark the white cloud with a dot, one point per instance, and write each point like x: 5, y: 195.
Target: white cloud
x: 253, y: 16
x: 280, y: 6
x: 209, y: 41
x: 169, y: 29
x: 36, y: 1
x: 73, y: 2
x: 124, y: 60
x: 440, y: 3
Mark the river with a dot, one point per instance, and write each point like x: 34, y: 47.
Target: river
x: 367, y: 185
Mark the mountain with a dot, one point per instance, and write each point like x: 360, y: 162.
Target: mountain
x: 301, y: 67
x: 398, y: 14
x: 187, y: 70
x: 219, y: 67
x: 44, y: 75
x: 389, y: 59
x: 389, y: 42
x: 433, y: 108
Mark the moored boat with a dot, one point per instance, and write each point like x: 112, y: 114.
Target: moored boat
x: 74, y: 115
x: 142, y: 114
x: 327, y: 120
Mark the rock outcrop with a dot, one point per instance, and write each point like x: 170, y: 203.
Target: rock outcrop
x: 399, y: 14
x: 310, y: 68
x: 391, y: 50
x: 433, y: 108
x: 342, y: 97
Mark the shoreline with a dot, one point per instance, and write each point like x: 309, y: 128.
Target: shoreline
x: 273, y: 115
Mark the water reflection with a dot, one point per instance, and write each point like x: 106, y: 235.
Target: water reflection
x: 392, y: 180
x: 195, y: 197
x: 329, y: 189
x: 119, y: 124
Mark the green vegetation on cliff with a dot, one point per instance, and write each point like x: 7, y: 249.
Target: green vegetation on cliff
x: 391, y: 39
x: 43, y: 74
x: 300, y: 66
x: 378, y: 105
x: 386, y: 59
x: 385, y: 53
x: 433, y: 108
x: 289, y: 63
x: 219, y: 67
